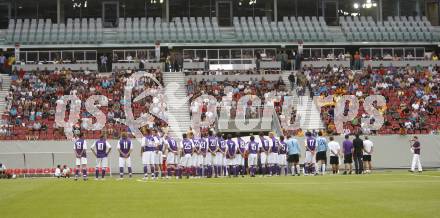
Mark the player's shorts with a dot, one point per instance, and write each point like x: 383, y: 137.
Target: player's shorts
x: 186, y: 160
x: 206, y: 161
x: 334, y: 160
x: 172, y: 158
x: 282, y: 159
x: 293, y: 158
x: 239, y: 160
x: 263, y: 158
x: 367, y: 157
x: 218, y: 160
x: 231, y: 161
x: 199, y: 160
x: 252, y: 160
x: 102, y: 162
x: 124, y: 161
x: 209, y: 159
x: 348, y: 158
x: 224, y: 161
x: 310, y: 158
x: 148, y: 157
x: 321, y: 155
x: 158, y: 158
x: 273, y: 158
x: 81, y: 161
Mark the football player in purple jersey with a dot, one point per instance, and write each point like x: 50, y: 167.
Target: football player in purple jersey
x: 148, y: 152
x: 282, y: 156
x: 80, y: 148
x: 125, y: 147
x: 273, y: 155
x: 195, y: 157
x: 188, y: 150
x: 253, y: 155
x: 241, y: 155
x: 101, y: 148
x: 211, y: 155
x: 230, y: 156
x: 221, y: 154
x: 264, y: 151
x: 201, y: 161
x: 158, y: 158
x: 172, y: 151
x: 310, y: 161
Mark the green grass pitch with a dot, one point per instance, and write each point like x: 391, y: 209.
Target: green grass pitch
x: 382, y: 194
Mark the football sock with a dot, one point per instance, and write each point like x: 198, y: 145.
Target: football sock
x: 130, y: 171
x: 84, y: 172
x: 121, y: 172
x: 103, y: 172
x: 97, y: 172
x: 145, y: 171
x: 77, y: 172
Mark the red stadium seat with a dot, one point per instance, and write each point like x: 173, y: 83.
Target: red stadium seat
x: 24, y: 171
x: 91, y: 170
x: 17, y: 171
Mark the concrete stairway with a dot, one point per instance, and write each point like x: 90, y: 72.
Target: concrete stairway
x: 306, y: 110
x: 4, y: 92
x: 178, y: 106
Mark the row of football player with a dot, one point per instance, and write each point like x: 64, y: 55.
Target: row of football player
x: 213, y: 156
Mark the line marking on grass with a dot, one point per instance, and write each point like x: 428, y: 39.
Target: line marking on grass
x: 289, y: 183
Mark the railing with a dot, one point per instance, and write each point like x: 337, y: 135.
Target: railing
x: 329, y: 54
x: 234, y: 53
x: 410, y: 53
x: 57, y: 57
x: 134, y: 55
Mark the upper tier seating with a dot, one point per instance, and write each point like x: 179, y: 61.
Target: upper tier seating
x: 293, y: 29
x: 400, y: 29
x: 136, y: 30
x: 76, y: 31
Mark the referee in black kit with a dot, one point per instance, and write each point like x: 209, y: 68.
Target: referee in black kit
x: 358, y: 146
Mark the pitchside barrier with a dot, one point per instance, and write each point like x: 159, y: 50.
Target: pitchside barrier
x: 391, y: 151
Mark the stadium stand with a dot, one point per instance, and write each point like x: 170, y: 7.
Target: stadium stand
x: 134, y: 30
x: 411, y: 95
x: 43, y: 31
x: 401, y: 29
x: 290, y: 29
x: 33, y: 96
x: 234, y: 90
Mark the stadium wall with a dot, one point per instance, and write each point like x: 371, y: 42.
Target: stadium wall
x: 389, y: 152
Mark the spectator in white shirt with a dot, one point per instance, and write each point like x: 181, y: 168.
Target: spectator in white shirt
x: 368, y: 150
x: 335, y: 150
x: 58, y: 171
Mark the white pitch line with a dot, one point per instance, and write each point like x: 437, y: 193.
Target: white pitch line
x: 291, y: 183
